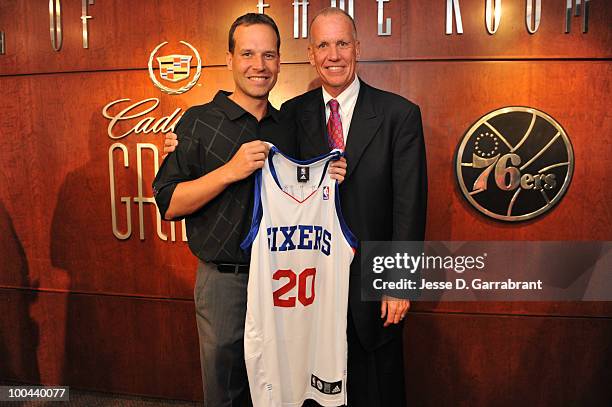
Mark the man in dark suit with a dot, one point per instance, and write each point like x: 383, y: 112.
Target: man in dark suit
x: 384, y: 194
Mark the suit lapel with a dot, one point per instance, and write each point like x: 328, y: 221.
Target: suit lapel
x: 364, y: 125
x: 312, y: 120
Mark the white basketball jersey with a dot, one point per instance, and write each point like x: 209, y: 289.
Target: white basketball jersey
x: 295, y: 331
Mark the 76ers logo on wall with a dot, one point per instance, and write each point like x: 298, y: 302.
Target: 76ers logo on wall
x: 514, y: 163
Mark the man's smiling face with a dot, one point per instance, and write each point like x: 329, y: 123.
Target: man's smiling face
x: 333, y: 51
x: 255, y: 62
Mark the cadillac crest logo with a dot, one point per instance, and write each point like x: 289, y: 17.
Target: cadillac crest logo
x: 514, y: 164
x: 175, y: 68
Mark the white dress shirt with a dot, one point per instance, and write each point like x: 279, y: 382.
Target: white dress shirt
x: 347, y: 100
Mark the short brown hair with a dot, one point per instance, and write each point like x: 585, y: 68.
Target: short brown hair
x: 251, y: 19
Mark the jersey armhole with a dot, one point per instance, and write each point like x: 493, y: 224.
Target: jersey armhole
x: 257, y: 214
x: 348, y: 235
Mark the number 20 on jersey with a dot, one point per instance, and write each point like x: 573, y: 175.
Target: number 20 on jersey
x: 285, y: 296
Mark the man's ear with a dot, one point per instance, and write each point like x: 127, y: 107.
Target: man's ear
x: 228, y: 60
x: 311, y: 54
x: 357, y: 48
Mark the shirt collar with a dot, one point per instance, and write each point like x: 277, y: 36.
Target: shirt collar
x: 349, y: 94
x: 234, y: 111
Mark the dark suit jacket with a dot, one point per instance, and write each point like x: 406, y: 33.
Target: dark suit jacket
x: 384, y: 194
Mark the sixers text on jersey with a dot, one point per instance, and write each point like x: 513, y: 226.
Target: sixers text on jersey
x: 307, y: 237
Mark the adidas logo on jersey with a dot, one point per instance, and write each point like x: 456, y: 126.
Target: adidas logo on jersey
x: 325, y: 387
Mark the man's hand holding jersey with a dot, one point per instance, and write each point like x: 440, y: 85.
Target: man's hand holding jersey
x: 250, y: 157
x: 189, y: 196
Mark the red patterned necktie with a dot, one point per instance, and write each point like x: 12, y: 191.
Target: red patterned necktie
x: 335, y: 137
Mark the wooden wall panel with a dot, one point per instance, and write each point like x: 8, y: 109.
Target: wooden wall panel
x: 110, y: 343
x: 122, y: 33
x: 507, y: 360
x: 596, y: 309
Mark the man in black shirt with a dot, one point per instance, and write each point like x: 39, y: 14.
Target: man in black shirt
x: 208, y: 176
x: 208, y: 181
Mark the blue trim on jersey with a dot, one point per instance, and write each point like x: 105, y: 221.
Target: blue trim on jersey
x: 271, y: 153
x: 348, y: 235
x: 257, y: 214
x: 336, y: 154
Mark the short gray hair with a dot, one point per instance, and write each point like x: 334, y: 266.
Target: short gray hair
x: 328, y: 11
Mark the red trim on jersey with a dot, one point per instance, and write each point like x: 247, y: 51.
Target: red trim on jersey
x: 305, y: 199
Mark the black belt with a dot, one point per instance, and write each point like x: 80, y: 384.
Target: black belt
x: 232, y: 268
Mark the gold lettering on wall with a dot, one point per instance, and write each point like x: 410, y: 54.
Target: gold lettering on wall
x: 297, y: 5
x: 124, y: 199
x: 141, y: 199
x: 383, y: 29
x: 579, y: 10
x: 533, y: 15
x: 164, y: 124
x: 261, y: 5
x: 453, y: 8
x: 145, y: 125
x: 55, y: 24
x: 493, y: 14
x: 342, y: 4
x: 84, y: 18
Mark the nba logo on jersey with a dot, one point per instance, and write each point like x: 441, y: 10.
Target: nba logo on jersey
x: 297, y: 296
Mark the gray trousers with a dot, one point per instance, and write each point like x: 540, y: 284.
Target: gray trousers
x: 220, y: 300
